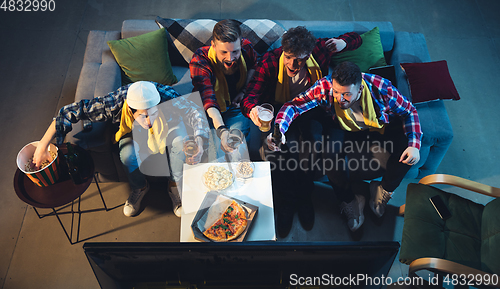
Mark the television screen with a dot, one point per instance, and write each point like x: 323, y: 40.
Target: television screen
x: 241, y: 265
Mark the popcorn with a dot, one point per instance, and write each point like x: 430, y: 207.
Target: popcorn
x: 217, y: 178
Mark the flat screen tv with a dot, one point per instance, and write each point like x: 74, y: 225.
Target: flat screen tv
x: 241, y: 265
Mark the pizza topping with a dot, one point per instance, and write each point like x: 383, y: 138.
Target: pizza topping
x: 230, y: 225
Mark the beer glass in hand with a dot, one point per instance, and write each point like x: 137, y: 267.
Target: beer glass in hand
x: 234, y: 140
x: 190, y: 148
x: 266, y: 115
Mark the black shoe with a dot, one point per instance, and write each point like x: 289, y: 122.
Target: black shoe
x: 284, y: 222
x: 306, y: 215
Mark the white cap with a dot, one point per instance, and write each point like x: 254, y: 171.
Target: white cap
x: 142, y: 95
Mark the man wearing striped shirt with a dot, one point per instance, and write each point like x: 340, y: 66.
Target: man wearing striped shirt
x: 371, y: 107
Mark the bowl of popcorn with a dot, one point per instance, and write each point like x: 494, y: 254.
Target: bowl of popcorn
x: 244, y: 169
x: 48, y: 172
x: 217, y: 178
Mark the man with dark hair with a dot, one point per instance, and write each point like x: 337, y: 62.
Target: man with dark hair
x: 370, y: 107
x: 295, y: 66
x: 220, y: 73
x: 282, y: 74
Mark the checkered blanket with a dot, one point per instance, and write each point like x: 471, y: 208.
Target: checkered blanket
x: 188, y: 35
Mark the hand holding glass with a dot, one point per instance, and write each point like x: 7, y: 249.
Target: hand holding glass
x: 190, y: 148
x: 234, y: 140
x: 266, y: 115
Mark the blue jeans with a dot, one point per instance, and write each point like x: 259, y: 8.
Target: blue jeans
x: 136, y: 161
x: 233, y: 118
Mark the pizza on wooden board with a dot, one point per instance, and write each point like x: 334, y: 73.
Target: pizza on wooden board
x: 229, y: 226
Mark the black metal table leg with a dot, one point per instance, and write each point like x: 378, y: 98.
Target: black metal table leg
x: 99, y: 189
x: 62, y: 225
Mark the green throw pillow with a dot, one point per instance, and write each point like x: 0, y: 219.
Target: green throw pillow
x: 144, y: 57
x: 369, y: 54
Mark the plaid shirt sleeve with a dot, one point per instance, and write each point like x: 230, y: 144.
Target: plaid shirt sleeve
x: 203, y: 77
x: 316, y: 95
x: 194, y: 114
x: 323, y: 55
x: 392, y: 102
x: 101, y: 108
x: 261, y: 87
x: 109, y: 107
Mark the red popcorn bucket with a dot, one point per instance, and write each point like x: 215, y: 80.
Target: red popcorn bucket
x: 46, y: 175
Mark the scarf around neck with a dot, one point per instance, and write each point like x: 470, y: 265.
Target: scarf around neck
x: 283, y: 86
x: 220, y: 88
x: 157, y: 134
x: 369, y: 113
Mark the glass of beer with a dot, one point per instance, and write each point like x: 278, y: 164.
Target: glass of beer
x: 190, y: 148
x: 266, y: 115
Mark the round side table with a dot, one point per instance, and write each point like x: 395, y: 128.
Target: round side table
x: 61, y: 193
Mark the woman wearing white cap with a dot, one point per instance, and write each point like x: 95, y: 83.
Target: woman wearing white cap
x: 137, y: 102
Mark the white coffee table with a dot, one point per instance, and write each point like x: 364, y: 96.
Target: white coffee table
x: 256, y: 191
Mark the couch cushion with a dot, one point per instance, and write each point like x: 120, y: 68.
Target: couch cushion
x: 369, y: 54
x: 263, y: 33
x: 490, y: 235
x: 425, y: 234
x: 135, y: 27
x: 144, y: 57
x: 190, y: 34
x: 430, y: 81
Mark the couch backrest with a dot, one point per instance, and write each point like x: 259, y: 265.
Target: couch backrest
x: 320, y: 29
x: 323, y: 29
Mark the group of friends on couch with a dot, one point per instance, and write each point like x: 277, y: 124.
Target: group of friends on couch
x: 312, y: 106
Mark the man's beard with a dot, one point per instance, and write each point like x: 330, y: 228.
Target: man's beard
x: 231, y: 70
x: 344, y: 106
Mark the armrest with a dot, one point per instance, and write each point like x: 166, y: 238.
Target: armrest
x: 449, y: 267
x: 461, y: 183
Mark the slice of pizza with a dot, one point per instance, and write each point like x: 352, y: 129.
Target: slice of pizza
x: 229, y: 226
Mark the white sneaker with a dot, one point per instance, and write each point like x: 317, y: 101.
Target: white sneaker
x: 133, y: 204
x: 354, y: 212
x: 379, y: 198
x: 173, y: 192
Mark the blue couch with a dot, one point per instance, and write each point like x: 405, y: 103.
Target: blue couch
x: 101, y: 74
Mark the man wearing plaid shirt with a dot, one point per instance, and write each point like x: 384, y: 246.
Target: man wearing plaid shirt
x: 139, y: 106
x: 281, y: 75
x: 220, y: 73
x: 372, y: 108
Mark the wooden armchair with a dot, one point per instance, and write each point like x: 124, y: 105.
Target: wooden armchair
x: 464, y: 249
